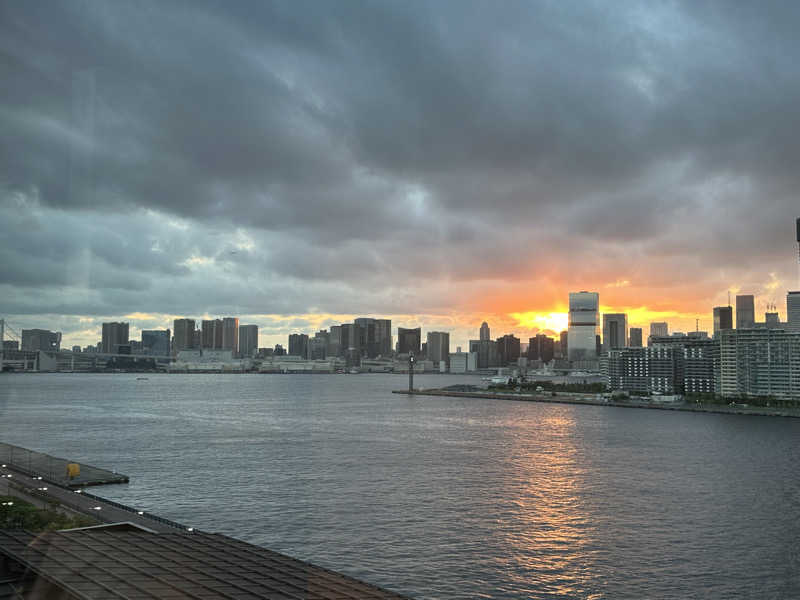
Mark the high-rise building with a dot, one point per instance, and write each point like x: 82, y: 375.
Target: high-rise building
x: 670, y: 365
x: 183, y: 335
x: 563, y: 337
x: 772, y: 320
x: 248, y: 340
x: 114, y: 335
x: 230, y: 334
x: 487, y: 353
x: 335, y: 347
x: 353, y: 341
x: 41, y: 339
x: 793, y: 311
x: 759, y: 362
x: 643, y: 370
x: 541, y: 347
x: 745, y: 311
x: 383, y: 336
x: 368, y: 344
x: 615, y: 331
x: 376, y: 336
x: 659, y: 329
x: 508, y: 349
x: 438, y: 347
x: 318, y: 345
x: 584, y: 325
x: 211, y: 334
x: 723, y: 318
x: 635, y: 337
x: 409, y: 340
x: 484, y: 332
x: 155, y: 342
x: 298, y: 345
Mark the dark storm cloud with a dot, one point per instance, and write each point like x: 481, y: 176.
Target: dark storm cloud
x: 283, y: 156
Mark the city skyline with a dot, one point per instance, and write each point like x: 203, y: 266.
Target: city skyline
x: 653, y: 170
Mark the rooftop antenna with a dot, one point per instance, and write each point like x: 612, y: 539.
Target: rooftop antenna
x: 697, y: 324
x: 729, y: 298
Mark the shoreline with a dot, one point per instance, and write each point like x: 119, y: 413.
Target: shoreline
x: 570, y: 399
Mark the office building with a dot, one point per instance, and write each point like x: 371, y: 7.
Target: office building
x: 230, y: 334
x: 508, y: 349
x: 318, y: 345
x: 486, y: 351
x: 211, y: 334
x: 298, y: 345
x: 745, y: 311
x: 584, y: 323
x: 353, y: 342
x: 723, y: 319
x: 409, y: 340
x: 615, y: 331
x: 41, y: 339
x: 114, y: 335
x: 463, y: 362
x: 383, y: 336
x: 182, y: 335
x: 541, y: 347
x: 563, y: 338
x: 438, y: 346
x: 248, y: 340
x: 793, y: 311
x: 367, y: 345
x: 156, y: 342
x: 759, y: 362
x: 10, y: 345
x: 484, y: 333
x: 335, y: 341
x: 659, y: 329
x: 635, y: 337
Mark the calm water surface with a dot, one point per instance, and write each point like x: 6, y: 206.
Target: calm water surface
x: 438, y: 497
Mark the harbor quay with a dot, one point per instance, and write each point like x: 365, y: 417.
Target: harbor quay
x: 599, y: 400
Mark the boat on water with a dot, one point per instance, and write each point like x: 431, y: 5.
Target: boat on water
x: 142, y: 378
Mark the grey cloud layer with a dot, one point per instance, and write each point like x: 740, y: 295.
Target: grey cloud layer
x: 363, y: 144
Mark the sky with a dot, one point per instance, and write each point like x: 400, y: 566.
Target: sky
x: 298, y: 164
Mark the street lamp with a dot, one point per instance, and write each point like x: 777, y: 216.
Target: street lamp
x: 410, y: 372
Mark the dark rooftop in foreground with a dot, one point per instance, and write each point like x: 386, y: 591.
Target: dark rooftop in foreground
x: 127, y: 563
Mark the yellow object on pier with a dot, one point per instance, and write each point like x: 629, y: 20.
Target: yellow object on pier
x: 73, y: 470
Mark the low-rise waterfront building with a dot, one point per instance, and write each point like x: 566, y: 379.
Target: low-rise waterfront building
x: 463, y: 362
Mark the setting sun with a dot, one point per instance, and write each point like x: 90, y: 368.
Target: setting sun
x: 553, y: 321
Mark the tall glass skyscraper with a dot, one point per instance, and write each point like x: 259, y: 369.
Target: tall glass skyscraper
x: 584, y: 325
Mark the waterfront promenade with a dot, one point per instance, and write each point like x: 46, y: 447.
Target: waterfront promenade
x: 592, y: 400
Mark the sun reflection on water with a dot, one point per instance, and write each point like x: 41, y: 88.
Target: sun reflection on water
x: 547, y: 529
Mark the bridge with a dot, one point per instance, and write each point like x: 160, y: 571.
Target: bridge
x: 20, y: 359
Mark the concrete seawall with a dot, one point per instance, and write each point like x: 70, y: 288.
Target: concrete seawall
x: 567, y: 399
